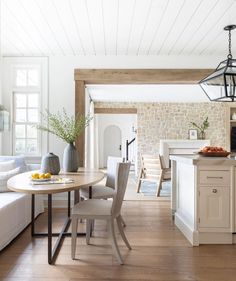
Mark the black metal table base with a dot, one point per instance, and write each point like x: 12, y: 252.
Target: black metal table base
x: 53, y: 252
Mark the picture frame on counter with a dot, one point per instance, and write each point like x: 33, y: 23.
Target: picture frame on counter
x: 192, y: 134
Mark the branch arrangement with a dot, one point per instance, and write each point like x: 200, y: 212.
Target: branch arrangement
x: 203, y: 126
x: 66, y: 127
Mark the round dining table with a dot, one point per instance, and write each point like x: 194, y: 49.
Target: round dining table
x: 64, y: 182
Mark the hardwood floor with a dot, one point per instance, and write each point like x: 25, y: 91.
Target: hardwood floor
x: 160, y: 252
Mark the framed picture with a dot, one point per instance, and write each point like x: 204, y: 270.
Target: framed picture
x: 192, y: 134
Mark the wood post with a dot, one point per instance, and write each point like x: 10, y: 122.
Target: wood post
x: 80, y: 109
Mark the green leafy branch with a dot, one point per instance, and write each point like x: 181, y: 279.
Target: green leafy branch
x: 66, y: 127
x: 203, y: 126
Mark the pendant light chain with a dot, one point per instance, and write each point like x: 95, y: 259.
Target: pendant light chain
x: 230, y: 54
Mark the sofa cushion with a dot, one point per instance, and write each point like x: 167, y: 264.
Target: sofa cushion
x: 19, y: 161
x: 7, y: 165
x: 15, y: 214
x: 5, y: 176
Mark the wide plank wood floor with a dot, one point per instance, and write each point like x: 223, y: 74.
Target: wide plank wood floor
x: 160, y: 252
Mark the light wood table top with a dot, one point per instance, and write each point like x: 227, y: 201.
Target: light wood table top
x: 22, y: 182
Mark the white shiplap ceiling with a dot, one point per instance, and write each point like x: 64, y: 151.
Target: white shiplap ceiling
x: 116, y: 27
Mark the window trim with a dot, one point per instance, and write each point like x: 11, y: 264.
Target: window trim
x: 14, y: 123
x: 9, y: 64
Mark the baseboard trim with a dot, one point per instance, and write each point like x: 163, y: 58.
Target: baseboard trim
x: 188, y: 232
x: 215, y: 238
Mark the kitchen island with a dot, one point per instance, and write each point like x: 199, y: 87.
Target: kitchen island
x: 203, y: 198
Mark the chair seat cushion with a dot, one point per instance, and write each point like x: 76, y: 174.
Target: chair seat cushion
x: 92, y: 208
x: 98, y: 192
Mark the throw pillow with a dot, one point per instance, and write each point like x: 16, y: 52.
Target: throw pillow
x: 5, y: 176
x: 6, y: 166
x: 19, y: 161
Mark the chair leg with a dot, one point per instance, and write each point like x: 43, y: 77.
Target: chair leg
x: 81, y: 199
x: 73, y: 237
x: 139, y: 181
x: 114, y: 242
x: 88, y: 230
x: 121, y: 230
x: 122, y: 221
x: 159, y: 184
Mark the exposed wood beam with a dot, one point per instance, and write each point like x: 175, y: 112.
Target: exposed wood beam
x: 115, y: 110
x: 141, y: 76
x: 127, y: 76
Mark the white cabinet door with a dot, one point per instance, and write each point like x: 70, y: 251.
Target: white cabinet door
x: 214, y: 206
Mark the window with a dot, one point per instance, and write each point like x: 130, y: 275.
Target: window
x: 27, y: 78
x: 26, y: 108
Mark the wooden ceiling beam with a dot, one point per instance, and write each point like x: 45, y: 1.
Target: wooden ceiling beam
x: 141, y: 76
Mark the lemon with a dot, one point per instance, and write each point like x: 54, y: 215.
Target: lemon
x: 42, y: 176
x: 35, y: 176
x: 48, y: 176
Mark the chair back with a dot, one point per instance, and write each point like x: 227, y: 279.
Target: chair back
x: 111, y: 170
x: 162, y: 162
x: 151, y: 166
x: 122, y: 176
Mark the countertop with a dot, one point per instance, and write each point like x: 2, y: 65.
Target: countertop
x: 201, y: 160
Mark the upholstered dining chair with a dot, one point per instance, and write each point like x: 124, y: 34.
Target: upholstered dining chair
x: 109, y: 210
x: 108, y: 190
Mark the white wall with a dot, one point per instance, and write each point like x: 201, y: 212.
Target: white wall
x: 124, y: 122
x: 61, y: 89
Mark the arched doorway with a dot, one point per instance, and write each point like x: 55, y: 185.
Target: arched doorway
x: 111, y: 142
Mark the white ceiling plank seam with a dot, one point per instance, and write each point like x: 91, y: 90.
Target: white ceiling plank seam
x: 63, y: 28
x: 77, y: 28
x: 90, y: 27
x: 18, y: 22
x: 158, y: 27
x: 144, y: 26
x: 36, y: 27
x: 185, y: 27
x: 49, y: 27
x: 170, y: 30
x: 103, y: 27
x: 131, y: 27
x: 117, y: 25
x: 213, y: 26
x: 200, y: 25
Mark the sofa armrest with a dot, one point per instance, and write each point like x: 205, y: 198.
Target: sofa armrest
x: 31, y: 167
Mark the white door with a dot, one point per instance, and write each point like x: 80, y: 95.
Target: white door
x: 111, y: 143
x: 214, y: 207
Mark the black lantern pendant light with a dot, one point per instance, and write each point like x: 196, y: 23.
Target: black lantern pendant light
x: 221, y: 84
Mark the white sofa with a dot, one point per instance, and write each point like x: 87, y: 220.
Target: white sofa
x: 15, y: 208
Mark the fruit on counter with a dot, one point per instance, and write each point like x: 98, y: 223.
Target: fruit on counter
x: 37, y: 176
x: 207, y: 149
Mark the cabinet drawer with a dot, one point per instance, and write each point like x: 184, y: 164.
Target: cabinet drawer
x: 215, y: 177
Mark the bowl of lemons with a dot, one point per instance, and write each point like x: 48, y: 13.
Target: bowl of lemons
x: 41, y: 177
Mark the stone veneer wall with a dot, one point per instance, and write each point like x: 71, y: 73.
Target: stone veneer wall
x: 172, y: 121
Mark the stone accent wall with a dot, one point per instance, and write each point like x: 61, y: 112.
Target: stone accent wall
x: 172, y: 121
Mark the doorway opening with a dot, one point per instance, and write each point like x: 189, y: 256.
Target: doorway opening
x: 111, y: 143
